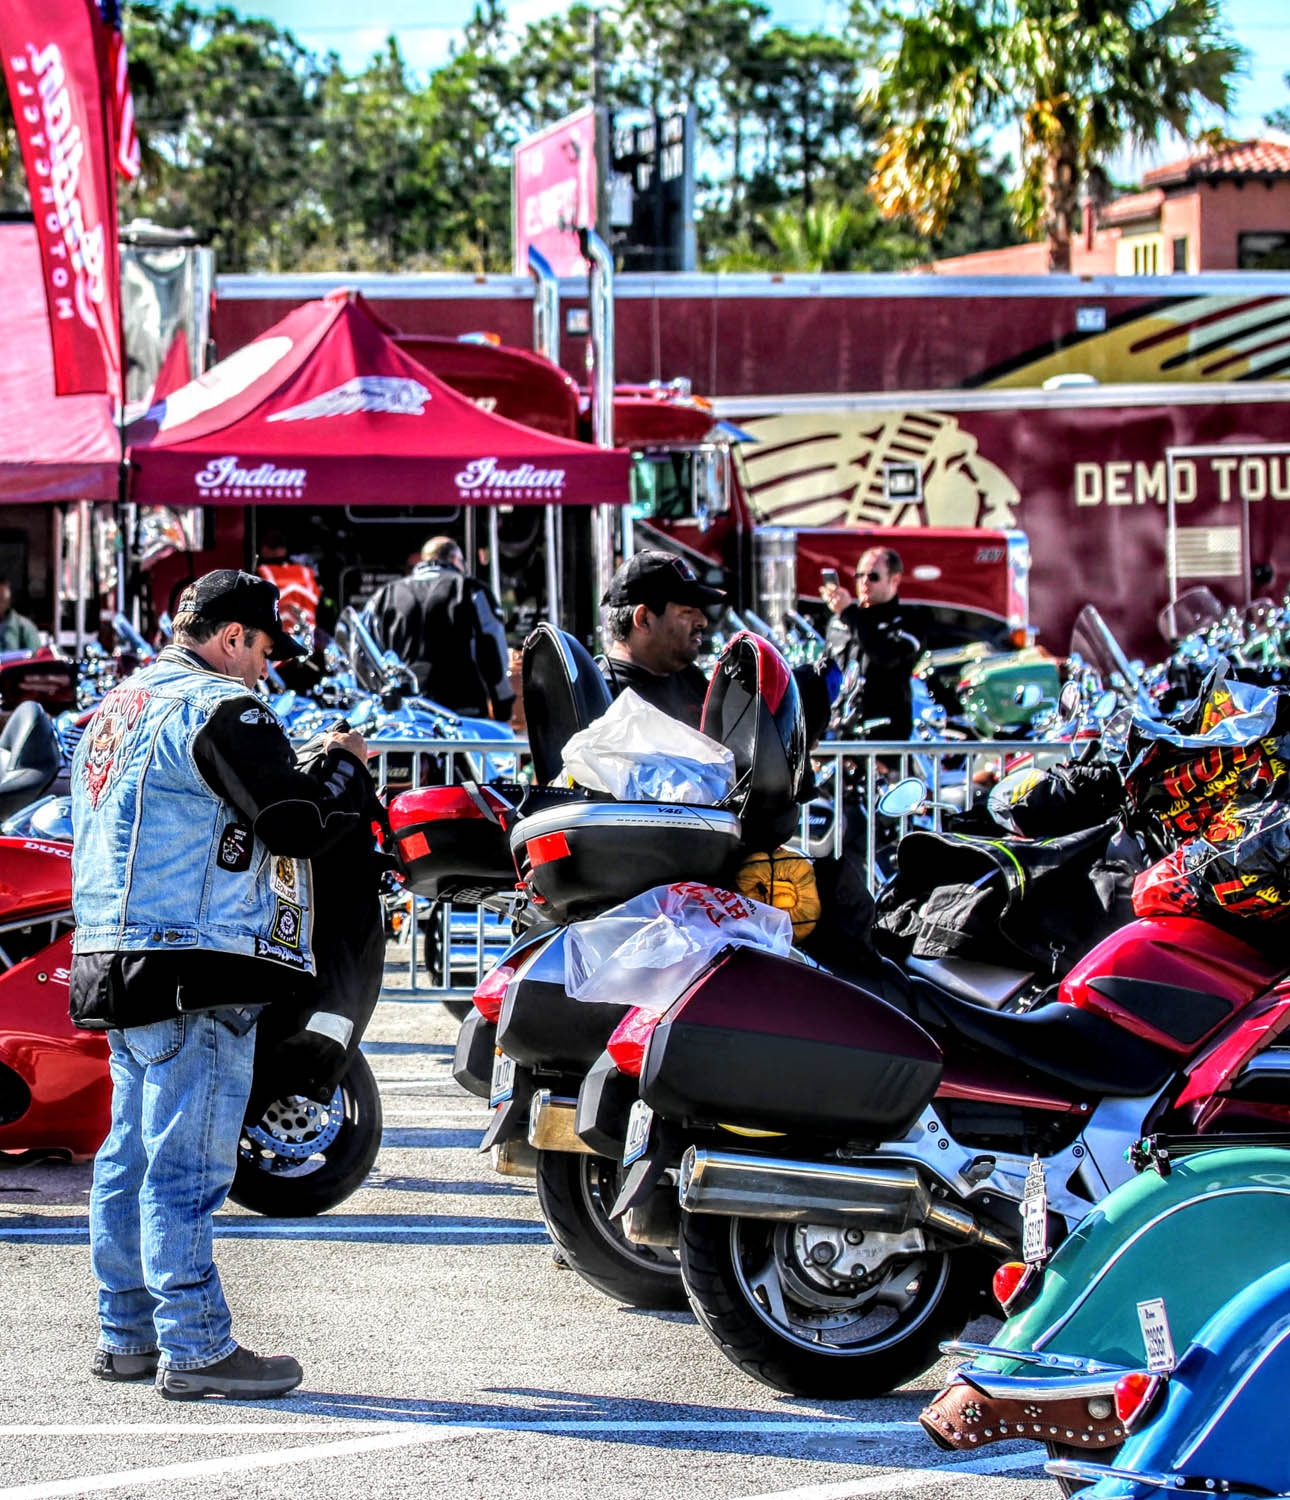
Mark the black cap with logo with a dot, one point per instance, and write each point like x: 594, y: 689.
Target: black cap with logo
x: 657, y: 579
x: 228, y: 596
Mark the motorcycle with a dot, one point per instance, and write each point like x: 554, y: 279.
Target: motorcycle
x: 1073, y: 1328
x: 298, y: 1158
x: 1211, y: 1422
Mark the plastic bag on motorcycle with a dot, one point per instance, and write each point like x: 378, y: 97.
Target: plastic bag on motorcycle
x: 1238, y: 872
x: 637, y: 753
x: 1231, y: 743
x: 650, y: 949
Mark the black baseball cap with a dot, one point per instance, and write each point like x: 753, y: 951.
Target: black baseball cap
x: 658, y: 579
x: 228, y: 596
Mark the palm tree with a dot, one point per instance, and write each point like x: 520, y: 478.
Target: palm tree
x: 1080, y: 79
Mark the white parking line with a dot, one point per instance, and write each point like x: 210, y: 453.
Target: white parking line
x: 394, y: 1435
x: 87, y: 1484
x: 903, y: 1479
x: 316, y: 1229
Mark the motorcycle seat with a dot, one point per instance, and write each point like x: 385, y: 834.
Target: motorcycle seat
x: 1062, y: 1043
x: 29, y: 757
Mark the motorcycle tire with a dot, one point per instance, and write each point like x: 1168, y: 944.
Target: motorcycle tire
x: 1064, y: 1450
x: 726, y: 1261
x: 431, y: 959
x: 302, y: 1184
x: 575, y: 1191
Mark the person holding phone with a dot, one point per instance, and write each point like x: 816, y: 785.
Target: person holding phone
x: 874, y: 632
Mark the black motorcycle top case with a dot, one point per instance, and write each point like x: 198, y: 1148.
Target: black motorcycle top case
x: 773, y: 1044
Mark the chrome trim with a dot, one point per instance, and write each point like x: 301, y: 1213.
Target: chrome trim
x: 1077, y: 1468
x: 1073, y: 1364
x: 764, y: 1187
x: 1051, y: 1387
x: 568, y: 816
x: 551, y: 1124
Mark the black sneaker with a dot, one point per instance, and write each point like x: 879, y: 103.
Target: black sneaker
x: 242, y: 1375
x: 108, y: 1365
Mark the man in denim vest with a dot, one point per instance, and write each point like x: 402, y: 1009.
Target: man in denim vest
x: 192, y: 895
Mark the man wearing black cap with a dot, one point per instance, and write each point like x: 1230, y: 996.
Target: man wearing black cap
x: 192, y: 896
x: 656, y: 623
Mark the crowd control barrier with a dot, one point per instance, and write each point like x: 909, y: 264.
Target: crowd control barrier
x: 463, y: 942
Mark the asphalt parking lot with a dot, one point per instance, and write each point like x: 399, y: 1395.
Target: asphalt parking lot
x: 444, y: 1352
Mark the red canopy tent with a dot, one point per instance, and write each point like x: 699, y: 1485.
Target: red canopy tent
x: 324, y: 408
x: 51, y: 447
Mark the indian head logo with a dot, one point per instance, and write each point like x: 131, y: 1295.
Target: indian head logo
x: 392, y: 394
x: 829, y: 469
x: 105, y: 738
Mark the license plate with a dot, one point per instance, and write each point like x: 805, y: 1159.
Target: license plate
x: 1034, y: 1216
x: 1156, y: 1335
x: 502, y: 1086
x: 638, y: 1123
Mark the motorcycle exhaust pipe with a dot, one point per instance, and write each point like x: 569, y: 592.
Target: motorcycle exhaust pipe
x: 893, y: 1198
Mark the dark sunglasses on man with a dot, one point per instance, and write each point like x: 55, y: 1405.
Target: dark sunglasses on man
x: 869, y: 577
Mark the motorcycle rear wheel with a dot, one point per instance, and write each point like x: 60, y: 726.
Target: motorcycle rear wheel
x: 304, y: 1183
x: 575, y: 1192
x: 735, y: 1277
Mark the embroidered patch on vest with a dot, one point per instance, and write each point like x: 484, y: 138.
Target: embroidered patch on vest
x: 283, y: 879
x: 116, y: 717
x: 265, y: 949
x: 287, y: 921
x: 235, y: 848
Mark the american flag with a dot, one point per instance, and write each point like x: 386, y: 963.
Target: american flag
x: 125, y: 139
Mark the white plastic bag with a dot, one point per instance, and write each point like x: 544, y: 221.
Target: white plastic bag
x: 637, y: 753
x: 650, y: 949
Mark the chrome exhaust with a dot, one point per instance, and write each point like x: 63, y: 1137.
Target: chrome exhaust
x: 893, y: 1198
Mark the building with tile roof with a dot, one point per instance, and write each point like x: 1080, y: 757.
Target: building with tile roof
x: 1221, y: 209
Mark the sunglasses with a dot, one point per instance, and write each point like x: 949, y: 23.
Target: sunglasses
x: 869, y: 577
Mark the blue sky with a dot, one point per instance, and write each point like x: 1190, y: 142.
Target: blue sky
x: 426, y: 31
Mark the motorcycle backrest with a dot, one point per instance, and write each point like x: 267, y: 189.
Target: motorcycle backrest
x: 563, y: 693
x: 753, y: 707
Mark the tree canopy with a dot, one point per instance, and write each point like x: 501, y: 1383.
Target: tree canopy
x: 284, y: 160
x: 1078, y: 79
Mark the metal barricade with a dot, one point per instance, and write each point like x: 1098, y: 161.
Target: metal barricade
x: 470, y: 938
x: 944, y: 766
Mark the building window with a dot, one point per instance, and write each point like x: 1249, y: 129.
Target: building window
x: 1180, y: 255
x: 1266, y: 250
x: 1146, y: 259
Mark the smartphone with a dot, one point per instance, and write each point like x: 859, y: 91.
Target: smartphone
x: 828, y: 576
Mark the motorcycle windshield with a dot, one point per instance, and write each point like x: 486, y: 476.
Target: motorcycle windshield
x: 1193, y: 610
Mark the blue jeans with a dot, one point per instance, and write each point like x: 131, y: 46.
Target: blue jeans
x: 179, y: 1092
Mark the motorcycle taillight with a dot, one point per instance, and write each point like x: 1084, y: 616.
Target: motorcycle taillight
x: 491, y: 991
x: 1135, y: 1396
x: 630, y: 1039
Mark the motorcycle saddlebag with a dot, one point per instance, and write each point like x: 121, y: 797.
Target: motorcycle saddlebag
x: 772, y: 1044
x: 452, y: 840
x: 542, y: 1026
x: 580, y: 857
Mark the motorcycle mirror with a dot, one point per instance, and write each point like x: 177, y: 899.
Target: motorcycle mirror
x: 1104, y: 707
x: 906, y: 797
x: 1029, y: 695
x: 1068, y: 700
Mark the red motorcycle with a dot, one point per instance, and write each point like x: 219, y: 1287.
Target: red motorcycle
x: 299, y: 1158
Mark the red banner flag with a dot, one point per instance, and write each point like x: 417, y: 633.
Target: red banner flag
x: 53, y: 64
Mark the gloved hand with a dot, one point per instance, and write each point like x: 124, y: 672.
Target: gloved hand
x: 312, y: 1060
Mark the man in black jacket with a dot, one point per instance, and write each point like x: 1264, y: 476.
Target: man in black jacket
x: 876, y: 634
x: 656, y: 622
x: 446, y: 627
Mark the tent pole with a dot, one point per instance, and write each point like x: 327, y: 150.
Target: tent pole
x: 554, y: 613
x: 494, y: 554
x: 84, y: 512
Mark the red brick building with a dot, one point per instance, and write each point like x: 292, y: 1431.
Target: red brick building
x: 1223, y: 210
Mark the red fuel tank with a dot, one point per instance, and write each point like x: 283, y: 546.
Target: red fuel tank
x: 1154, y: 976
x: 35, y: 879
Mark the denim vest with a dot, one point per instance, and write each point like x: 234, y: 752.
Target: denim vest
x: 160, y: 863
